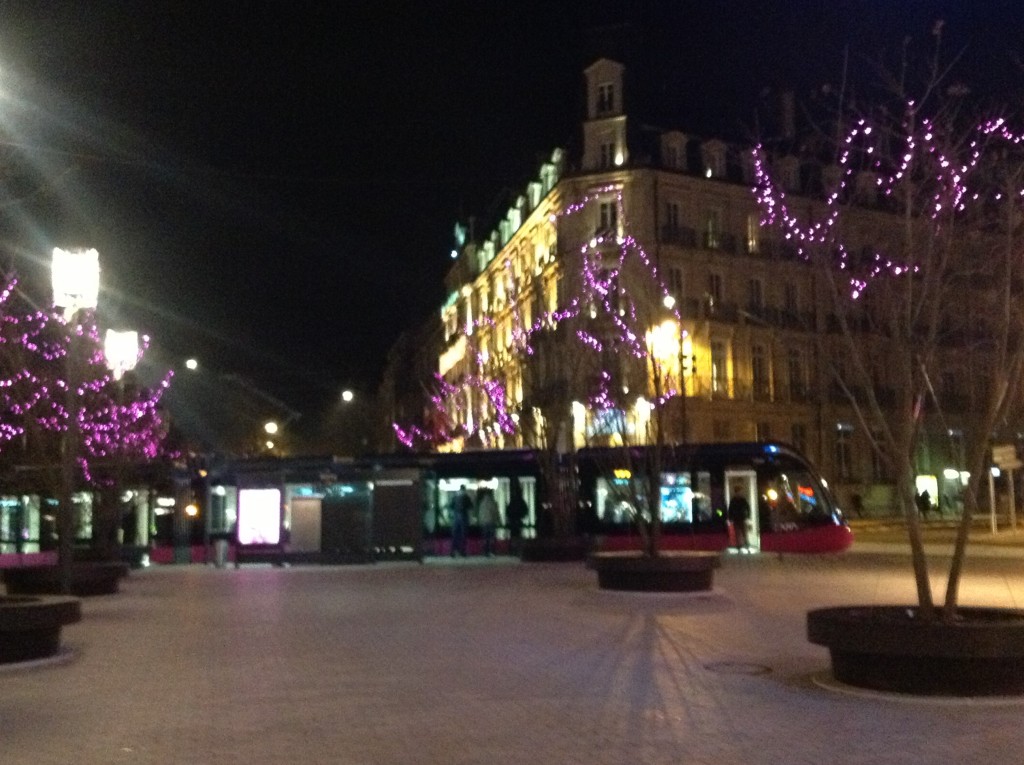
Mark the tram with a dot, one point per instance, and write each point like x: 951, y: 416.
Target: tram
x: 792, y: 509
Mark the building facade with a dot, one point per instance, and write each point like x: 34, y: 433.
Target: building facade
x: 724, y: 311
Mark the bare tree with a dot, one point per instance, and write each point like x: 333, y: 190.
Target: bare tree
x: 918, y: 223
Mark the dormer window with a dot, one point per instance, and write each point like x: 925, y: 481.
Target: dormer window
x: 832, y: 176
x: 747, y: 167
x: 714, y: 159
x: 788, y: 169
x: 867, y: 187
x: 534, y: 193
x: 673, y: 150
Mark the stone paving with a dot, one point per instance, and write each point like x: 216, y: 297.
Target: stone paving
x: 486, y: 661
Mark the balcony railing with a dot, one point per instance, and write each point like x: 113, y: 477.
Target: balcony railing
x: 681, y: 235
x: 713, y: 240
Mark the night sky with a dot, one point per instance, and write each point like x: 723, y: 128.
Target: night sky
x: 272, y: 186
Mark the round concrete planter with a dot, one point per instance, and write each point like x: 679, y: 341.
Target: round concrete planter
x: 675, y: 571
x: 889, y: 648
x: 553, y: 550
x: 87, y: 578
x: 30, y: 626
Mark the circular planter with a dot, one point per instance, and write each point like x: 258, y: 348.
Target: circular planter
x: 30, y: 626
x: 553, y: 550
x: 890, y: 648
x: 86, y: 579
x: 675, y: 571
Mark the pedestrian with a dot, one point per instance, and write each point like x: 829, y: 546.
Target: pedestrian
x: 487, y: 517
x: 924, y: 503
x: 515, y: 515
x: 858, y: 504
x: 738, y: 513
x: 460, y: 508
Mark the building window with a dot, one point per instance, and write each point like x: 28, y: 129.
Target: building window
x: 605, y: 98
x: 498, y: 291
x: 755, y: 296
x: 721, y: 430
x: 451, y: 322
x: 797, y: 380
x: 551, y: 286
x: 672, y: 216
x: 759, y: 371
x: 844, y: 439
x: 719, y: 368
x: 791, y: 298
x: 753, y: 234
x: 763, y: 431
x: 798, y: 436
x: 607, y: 158
x: 485, y: 347
x: 712, y: 229
x: 715, y: 288
x: 675, y: 283
x: 609, y: 223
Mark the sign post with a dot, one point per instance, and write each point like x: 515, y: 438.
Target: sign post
x: 1005, y: 458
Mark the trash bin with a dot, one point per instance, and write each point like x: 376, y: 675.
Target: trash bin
x: 220, y: 553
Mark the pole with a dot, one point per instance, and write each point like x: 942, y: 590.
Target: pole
x: 1013, y: 501
x: 682, y: 387
x: 65, y: 514
x: 68, y: 450
x: 992, y: 500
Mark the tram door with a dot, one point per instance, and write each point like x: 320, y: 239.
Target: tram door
x: 746, y: 478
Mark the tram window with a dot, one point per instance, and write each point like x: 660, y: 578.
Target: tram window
x: 617, y: 500
x: 612, y: 500
x: 794, y: 496
x: 676, y: 498
x: 702, y: 509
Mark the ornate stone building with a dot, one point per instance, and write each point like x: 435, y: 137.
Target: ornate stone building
x: 727, y: 305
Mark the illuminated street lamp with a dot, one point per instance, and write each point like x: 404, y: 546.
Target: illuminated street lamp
x: 75, y: 277
x: 270, y: 428
x: 121, y: 350
x: 191, y: 365
x: 347, y: 396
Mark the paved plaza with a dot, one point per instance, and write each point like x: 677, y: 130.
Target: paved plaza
x: 486, y: 661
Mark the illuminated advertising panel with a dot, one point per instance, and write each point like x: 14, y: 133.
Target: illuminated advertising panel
x: 259, y: 516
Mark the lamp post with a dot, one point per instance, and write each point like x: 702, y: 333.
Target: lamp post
x: 676, y: 338
x: 121, y: 352
x: 75, y: 277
